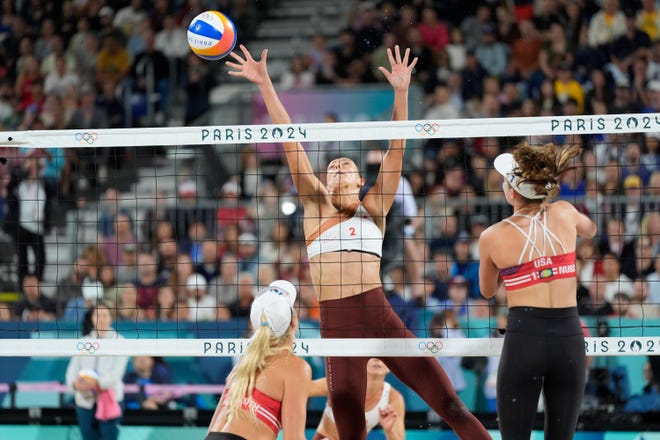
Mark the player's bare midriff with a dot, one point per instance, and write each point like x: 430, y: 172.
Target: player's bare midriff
x: 344, y: 273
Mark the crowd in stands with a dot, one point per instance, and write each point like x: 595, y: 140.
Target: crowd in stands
x: 70, y: 64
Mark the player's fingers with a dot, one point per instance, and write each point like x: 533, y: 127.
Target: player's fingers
x: 246, y: 53
x: 384, y: 71
x: 390, y: 57
x: 236, y: 56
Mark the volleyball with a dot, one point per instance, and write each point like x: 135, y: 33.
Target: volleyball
x: 211, y: 35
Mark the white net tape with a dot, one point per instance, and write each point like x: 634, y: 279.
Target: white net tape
x: 354, y: 131
x: 609, y: 346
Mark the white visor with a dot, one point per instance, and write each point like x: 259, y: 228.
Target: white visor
x: 506, y: 165
x: 284, y: 287
x: 273, y: 308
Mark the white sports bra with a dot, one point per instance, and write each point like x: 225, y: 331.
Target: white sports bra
x: 357, y: 233
x: 372, y: 416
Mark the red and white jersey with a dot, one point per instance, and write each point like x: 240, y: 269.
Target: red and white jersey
x: 541, y: 268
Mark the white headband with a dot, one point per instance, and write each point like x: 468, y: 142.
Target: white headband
x: 506, y: 165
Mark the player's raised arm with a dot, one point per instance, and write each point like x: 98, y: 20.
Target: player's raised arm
x: 302, y: 173
x: 378, y: 200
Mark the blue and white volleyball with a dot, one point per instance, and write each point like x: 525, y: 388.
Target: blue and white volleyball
x: 211, y: 35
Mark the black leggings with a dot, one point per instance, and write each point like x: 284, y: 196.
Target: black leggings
x: 223, y: 436
x: 543, y: 349
x: 369, y: 315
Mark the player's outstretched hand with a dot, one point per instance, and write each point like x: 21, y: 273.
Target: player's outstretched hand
x: 248, y: 68
x: 399, y: 75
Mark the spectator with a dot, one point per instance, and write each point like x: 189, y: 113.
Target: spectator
x: 127, y: 272
x: 128, y: 18
x: 633, y: 165
x: 607, y: 24
x: 109, y: 285
x: 456, y: 50
x: 31, y: 196
x: 435, y: 34
x: 5, y: 313
x: 166, y: 304
x: 192, y: 244
x: 127, y: 308
x: 166, y: 258
x: 623, y: 307
x: 465, y: 264
x: 616, y: 242
x: 458, y: 301
x: 247, y: 290
x: 491, y: 53
x: 113, y: 245
x: 183, y: 269
x: 34, y: 305
x: 653, y: 280
x: 152, y: 229
x: 91, y: 295
x: 209, y: 264
x: 614, y: 281
x: 648, y: 400
x: 526, y: 50
x: 573, y: 185
x: 148, y: 370
x: 89, y: 376
x: 400, y: 296
x: 202, y: 307
x: 444, y: 325
x: 567, y: 87
x: 298, y: 75
x: 224, y: 286
x: 587, y: 253
x: 70, y: 286
x: 248, y: 253
x: 440, y: 274
x: 441, y: 106
x: 490, y: 384
x: 472, y: 77
x: 346, y: 52
x: 113, y: 62
x: 108, y: 210
x: 472, y: 25
x: 277, y: 244
x: 28, y: 80
x: 171, y: 40
x: 624, y: 49
x: 643, y: 256
x: 147, y: 282
x: 250, y: 176
x: 150, y: 77
x: 648, y: 19
x: 198, y: 80
x: 57, y: 81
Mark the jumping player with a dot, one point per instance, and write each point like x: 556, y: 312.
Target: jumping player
x: 344, y: 237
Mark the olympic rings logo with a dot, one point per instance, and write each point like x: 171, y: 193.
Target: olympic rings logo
x: 88, y: 346
x: 427, y: 128
x: 430, y: 346
x: 86, y: 137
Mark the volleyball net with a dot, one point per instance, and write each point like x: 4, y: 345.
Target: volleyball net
x: 177, y: 228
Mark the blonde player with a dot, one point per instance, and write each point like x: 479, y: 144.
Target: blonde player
x: 267, y: 390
